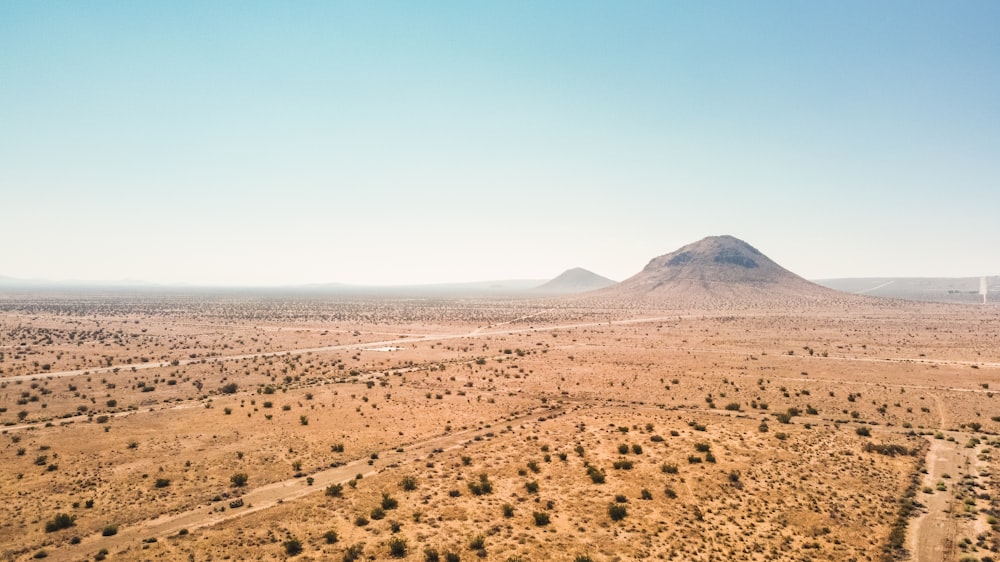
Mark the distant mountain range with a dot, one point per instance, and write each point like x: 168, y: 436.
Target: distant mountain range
x: 935, y: 289
x: 572, y: 281
x: 712, y: 271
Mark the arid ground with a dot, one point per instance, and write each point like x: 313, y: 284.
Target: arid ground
x: 235, y: 428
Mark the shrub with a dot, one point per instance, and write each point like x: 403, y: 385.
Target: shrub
x: 637, y: 449
x: 477, y: 542
x: 670, y: 492
x: 335, y: 490
x: 596, y: 475
x: 293, y: 547
x: 617, y: 511
x: 431, y: 555
x: 482, y: 487
x: 331, y: 537
x: 389, y: 502
x: 541, y: 518
x: 109, y: 530
x: 239, y: 479
x: 646, y: 494
x: 229, y: 388
x: 733, y: 406
x: 890, y: 450
x: 863, y: 431
x: 702, y: 447
x: 378, y: 513
x: 162, y: 482
x: 531, y: 487
x: 59, y: 522
x: 623, y: 449
x: 354, y: 552
x: 622, y: 464
x: 397, y: 547
x: 508, y: 510
x: 668, y: 468
x: 408, y: 483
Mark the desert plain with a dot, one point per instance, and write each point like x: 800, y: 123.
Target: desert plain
x: 240, y: 427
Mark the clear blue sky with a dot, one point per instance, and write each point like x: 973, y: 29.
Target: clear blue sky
x: 259, y: 143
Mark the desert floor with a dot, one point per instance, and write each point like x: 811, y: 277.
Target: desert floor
x: 183, y: 428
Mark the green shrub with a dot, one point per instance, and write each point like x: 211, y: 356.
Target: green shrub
x: 541, y: 518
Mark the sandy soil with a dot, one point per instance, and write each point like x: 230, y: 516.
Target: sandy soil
x: 745, y: 435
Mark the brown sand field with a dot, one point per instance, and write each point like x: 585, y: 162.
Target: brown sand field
x: 533, y: 429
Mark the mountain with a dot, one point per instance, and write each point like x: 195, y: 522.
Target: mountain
x: 716, y: 270
x: 576, y: 280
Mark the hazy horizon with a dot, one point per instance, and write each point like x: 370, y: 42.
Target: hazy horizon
x: 388, y: 143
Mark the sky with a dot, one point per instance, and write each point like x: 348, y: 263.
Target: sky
x: 272, y: 143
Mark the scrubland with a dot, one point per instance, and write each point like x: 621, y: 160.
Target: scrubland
x: 166, y: 428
